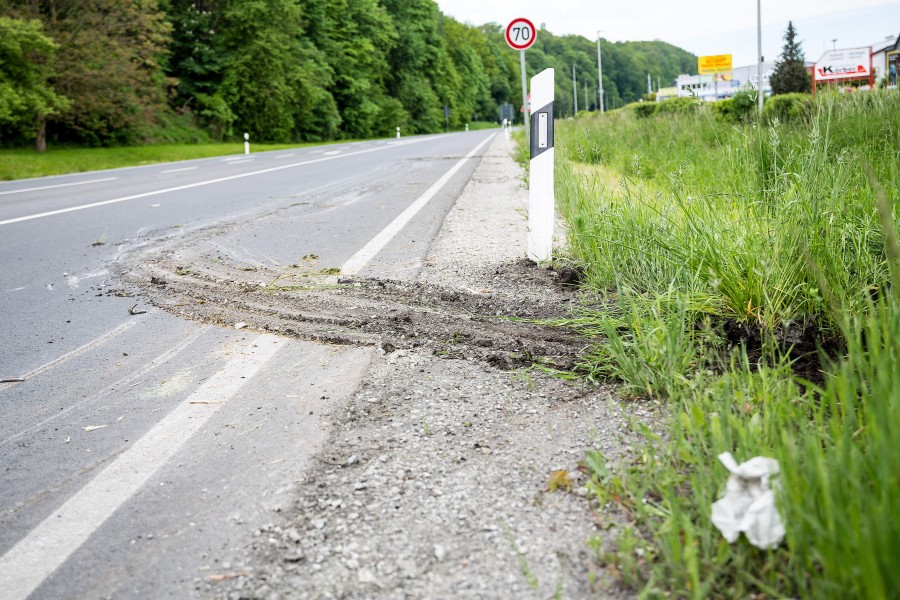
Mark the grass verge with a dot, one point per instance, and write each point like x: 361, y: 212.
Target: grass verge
x: 21, y: 164
x: 752, y: 279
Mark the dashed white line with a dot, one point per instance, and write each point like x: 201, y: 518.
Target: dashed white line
x: 239, y: 161
x: 59, y: 185
x: 179, y: 170
x: 332, y: 152
x: 285, y: 155
x: 47, y: 546
x: 368, y: 252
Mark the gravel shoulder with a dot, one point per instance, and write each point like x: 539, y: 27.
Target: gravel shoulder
x: 434, y: 481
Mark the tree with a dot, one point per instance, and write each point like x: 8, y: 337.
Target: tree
x: 26, y: 98
x: 110, y: 64
x: 790, y: 74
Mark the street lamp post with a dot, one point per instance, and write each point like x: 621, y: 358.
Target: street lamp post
x: 600, y: 73
x: 759, y: 57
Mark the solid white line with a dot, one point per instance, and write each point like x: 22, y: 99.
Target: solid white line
x: 368, y: 252
x: 179, y: 170
x: 59, y: 185
x: 48, y: 545
x: 194, y: 185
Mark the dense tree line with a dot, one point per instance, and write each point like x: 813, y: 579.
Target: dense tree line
x: 100, y: 72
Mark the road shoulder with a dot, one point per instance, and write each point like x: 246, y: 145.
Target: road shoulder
x: 436, y: 482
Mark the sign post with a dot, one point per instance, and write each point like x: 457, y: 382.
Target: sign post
x: 541, y: 210
x: 520, y: 35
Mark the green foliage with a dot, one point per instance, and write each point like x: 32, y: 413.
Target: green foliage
x: 740, y: 108
x: 291, y: 70
x: 679, y: 106
x: 790, y: 74
x: 788, y: 108
x: 26, y: 64
x: 643, y: 109
x: 725, y: 252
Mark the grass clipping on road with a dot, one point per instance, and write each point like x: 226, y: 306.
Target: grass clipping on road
x: 752, y: 273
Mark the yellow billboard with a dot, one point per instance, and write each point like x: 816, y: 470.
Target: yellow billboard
x: 716, y: 63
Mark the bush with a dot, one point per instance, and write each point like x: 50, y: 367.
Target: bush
x: 788, y: 108
x: 678, y: 106
x: 738, y: 109
x: 642, y: 110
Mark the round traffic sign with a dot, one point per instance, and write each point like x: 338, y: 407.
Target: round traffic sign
x: 520, y: 34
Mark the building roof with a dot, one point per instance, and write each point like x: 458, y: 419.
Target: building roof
x: 891, y: 43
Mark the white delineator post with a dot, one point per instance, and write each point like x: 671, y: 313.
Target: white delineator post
x: 541, y: 211
x: 246, y: 143
x: 398, y: 133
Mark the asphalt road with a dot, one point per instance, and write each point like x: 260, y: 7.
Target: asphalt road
x: 134, y: 448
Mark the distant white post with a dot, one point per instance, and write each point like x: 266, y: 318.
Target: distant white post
x: 467, y: 126
x: 398, y: 133
x: 246, y: 143
x: 541, y: 211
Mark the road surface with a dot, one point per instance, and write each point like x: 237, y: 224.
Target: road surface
x: 134, y: 446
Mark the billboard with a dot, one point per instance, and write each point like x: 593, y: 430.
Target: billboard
x: 716, y: 63
x: 850, y: 63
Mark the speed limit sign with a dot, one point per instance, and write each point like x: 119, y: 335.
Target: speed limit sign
x: 520, y: 34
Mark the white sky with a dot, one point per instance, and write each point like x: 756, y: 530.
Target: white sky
x: 699, y: 26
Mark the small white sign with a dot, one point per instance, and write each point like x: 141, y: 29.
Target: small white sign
x: 850, y: 63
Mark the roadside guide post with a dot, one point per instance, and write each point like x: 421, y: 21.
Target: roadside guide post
x: 541, y: 211
x: 398, y: 133
x: 520, y: 35
x: 246, y: 143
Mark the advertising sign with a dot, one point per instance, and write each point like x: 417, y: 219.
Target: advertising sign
x: 850, y: 63
x: 716, y: 63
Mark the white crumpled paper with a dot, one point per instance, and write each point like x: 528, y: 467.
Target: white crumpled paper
x: 749, y: 502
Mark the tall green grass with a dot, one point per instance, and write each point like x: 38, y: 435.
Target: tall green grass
x: 726, y: 250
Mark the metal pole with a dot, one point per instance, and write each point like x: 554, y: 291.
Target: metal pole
x: 600, y: 73
x: 524, y: 98
x: 759, y: 57
x: 574, y: 91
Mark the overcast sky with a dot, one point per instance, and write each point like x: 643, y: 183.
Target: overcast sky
x: 699, y: 26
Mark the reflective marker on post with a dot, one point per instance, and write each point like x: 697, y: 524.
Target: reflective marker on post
x: 541, y: 212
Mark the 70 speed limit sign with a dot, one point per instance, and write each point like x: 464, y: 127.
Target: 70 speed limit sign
x: 520, y: 34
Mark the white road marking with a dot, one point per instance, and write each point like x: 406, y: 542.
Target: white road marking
x: 59, y: 185
x: 332, y: 153
x: 158, y: 361
x: 179, y: 170
x: 48, y: 545
x: 196, y: 184
x: 239, y: 161
x: 368, y: 252
x: 285, y: 155
x: 18, y: 289
x: 76, y: 352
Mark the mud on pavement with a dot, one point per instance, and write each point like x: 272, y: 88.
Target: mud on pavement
x: 435, y: 480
